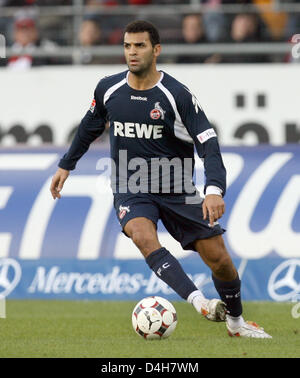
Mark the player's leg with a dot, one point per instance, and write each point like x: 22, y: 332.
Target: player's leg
x: 143, y: 233
x: 138, y: 216
x: 183, y: 223
x: 227, y: 283
x: 224, y: 274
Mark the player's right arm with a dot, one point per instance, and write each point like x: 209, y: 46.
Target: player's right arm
x: 91, y: 127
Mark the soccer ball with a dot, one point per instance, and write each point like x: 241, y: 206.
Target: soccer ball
x: 154, y: 318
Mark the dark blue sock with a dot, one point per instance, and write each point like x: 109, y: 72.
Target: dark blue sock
x: 230, y: 294
x: 168, y: 269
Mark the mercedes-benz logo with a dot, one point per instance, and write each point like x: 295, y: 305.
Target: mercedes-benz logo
x: 284, y: 282
x: 10, y: 275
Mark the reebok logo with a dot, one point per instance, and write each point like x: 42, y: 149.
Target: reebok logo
x: 138, y: 98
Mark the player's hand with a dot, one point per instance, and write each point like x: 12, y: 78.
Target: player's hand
x: 58, y: 181
x: 213, y: 207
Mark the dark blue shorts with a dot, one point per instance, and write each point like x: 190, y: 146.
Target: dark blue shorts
x: 183, y: 221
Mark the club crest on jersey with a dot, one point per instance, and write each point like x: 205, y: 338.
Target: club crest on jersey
x: 92, y: 107
x: 157, y: 112
x: 123, y: 210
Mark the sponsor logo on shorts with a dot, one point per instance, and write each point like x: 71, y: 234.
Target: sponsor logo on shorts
x: 123, y: 210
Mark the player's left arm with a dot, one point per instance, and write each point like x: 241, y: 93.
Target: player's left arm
x: 208, y: 149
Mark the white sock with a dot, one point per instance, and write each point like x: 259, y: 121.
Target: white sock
x: 197, y: 299
x: 235, y: 321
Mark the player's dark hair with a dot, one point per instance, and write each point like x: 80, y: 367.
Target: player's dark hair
x: 141, y: 26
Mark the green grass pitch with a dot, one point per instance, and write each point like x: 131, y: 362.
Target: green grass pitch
x: 103, y: 330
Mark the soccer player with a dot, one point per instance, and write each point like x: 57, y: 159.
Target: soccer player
x: 155, y: 123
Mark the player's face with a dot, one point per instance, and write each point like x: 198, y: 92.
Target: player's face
x: 139, y: 53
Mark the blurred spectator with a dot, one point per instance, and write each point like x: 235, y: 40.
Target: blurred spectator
x: 240, y: 2
x: 90, y: 33
x: 229, y: 17
x: 139, y: 2
x: 192, y: 29
x: 112, y: 24
x: 245, y: 28
x: 293, y: 23
x: 214, y: 21
x: 102, y: 2
x: 117, y: 2
x: 19, y: 3
x: 193, y: 33
x: 4, y: 23
x: 275, y: 21
x: 237, y: 2
x: 26, y: 38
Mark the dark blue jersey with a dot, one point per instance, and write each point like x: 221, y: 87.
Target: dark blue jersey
x: 151, y: 131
